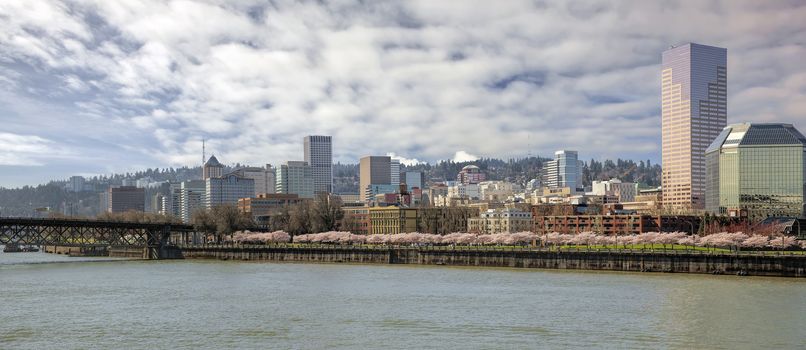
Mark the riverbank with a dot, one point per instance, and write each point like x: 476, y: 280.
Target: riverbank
x: 780, y: 265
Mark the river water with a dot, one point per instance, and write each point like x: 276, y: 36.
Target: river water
x: 69, y: 303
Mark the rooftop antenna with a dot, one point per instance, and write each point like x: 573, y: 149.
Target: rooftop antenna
x: 204, y: 157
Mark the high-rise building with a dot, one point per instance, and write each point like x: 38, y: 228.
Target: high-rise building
x: 227, y: 190
x: 191, y: 198
x: 564, y: 171
x: 319, y: 155
x: 265, y: 181
x: 212, y: 168
x: 295, y: 177
x: 171, y: 202
x: 693, y: 110
x: 374, y: 170
x: 76, y: 184
x: 394, y: 171
x: 756, y: 170
x: 126, y: 198
x: 413, y: 179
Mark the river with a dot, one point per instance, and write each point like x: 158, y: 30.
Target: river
x: 68, y: 303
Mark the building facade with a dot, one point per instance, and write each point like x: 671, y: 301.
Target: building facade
x: 500, y: 221
x: 265, y: 181
x: 319, y: 155
x: 213, y: 168
x: 413, y: 179
x: 373, y: 170
x: 191, y: 198
x: 295, y: 177
x: 616, y: 224
x: 394, y: 171
x: 227, y: 190
x: 625, y: 191
x: 126, y: 198
x: 756, y: 170
x: 470, y: 174
x: 262, y: 207
x: 565, y: 170
x: 693, y: 111
x: 356, y: 220
x: 392, y: 220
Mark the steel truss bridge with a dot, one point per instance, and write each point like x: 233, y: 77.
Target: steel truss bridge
x: 68, y: 232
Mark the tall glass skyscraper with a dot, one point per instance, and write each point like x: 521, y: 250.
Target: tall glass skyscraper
x: 693, y: 110
x: 757, y: 170
x: 564, y: 171
x: 319, y: 155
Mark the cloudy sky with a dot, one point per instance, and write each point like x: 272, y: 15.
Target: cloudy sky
x: 89, y: 87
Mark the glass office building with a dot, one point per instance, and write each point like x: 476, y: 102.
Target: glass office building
x: 693, y: 111
x: 757, y: 170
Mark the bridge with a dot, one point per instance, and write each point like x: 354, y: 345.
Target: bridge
x: 154, y: 237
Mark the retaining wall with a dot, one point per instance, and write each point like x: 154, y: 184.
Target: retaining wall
x: 743, y: 264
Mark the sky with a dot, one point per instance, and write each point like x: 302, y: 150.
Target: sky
x: 95, y: 87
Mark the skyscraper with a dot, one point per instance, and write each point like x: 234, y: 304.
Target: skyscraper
x: 319, y: 155
x: 693, y: 111
x: 394, y: 171
x: 564, y: 171
x: 191, y: 198
x: 374, y: 170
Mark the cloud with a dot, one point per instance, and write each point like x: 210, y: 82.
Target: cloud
x: 462, y: 156
x: 25, y: 150
x: 420, y: 78
x: 404, y: 160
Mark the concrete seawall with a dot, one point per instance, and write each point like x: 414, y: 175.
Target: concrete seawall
x: 676, y: 262
x: 76, y: 250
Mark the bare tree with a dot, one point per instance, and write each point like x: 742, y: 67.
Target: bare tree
x: 278, y: 221
x: 299, y: 218
x: 325, y: 213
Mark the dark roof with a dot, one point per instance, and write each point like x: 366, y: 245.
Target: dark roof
x: 772, y: 134
x: 758, y: 134
x: 213, y: 161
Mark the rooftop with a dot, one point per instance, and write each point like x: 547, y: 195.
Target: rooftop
x: 757, y: 134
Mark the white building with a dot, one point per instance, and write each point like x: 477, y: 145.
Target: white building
x: 227, y: 190
x: 496, y: 191
x: 191, y: 198
x: 470, y: 191
x: 265, y: 181
x: 394, y: 171
x: 171, y: 202
x: 625, y: 191
x: 500, y: 221
x: 295, y: 177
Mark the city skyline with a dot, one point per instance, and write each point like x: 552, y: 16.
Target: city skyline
x: 94, y: 89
